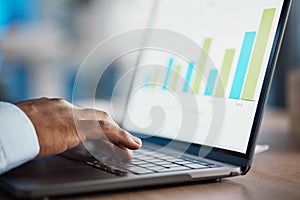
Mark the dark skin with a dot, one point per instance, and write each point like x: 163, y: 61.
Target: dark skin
x: 61, y: 125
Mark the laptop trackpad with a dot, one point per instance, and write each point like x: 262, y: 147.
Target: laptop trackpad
x: 53, y: 170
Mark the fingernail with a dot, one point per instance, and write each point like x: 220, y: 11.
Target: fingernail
x: 137, y: 140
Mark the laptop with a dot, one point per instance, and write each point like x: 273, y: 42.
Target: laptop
x: 197, y: 103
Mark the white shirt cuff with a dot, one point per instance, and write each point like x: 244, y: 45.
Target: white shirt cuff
x: 18, y: 138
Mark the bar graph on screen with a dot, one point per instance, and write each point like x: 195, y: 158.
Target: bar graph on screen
x: 240, y: 85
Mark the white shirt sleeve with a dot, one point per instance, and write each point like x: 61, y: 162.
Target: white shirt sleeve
x: 18, y: 139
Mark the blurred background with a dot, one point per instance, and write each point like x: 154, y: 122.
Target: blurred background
x: 43, y: 43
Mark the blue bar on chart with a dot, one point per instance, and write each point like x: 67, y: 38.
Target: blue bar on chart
x: 243, y: 62
x: 168, y: 73
x: 188, y: 77
x: 211, y: 82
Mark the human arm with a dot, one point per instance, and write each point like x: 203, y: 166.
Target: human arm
x: 60, y: 126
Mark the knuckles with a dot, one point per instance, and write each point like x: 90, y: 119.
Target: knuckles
x: 105, y: 114
x: 53, y: 100
x: 58, y: 100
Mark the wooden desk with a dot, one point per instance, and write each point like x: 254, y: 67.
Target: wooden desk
x: 275, y: 174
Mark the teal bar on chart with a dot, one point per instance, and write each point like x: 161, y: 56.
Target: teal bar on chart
x: 188, y: 77
x: 243, y: 62
x: 211, y: 82
x: 168, y: 73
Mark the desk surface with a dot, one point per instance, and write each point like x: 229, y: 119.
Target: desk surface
x: 275, y: 174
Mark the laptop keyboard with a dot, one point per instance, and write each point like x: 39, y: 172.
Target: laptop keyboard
x: 146, y: 161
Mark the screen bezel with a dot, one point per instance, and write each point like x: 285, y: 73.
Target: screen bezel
x: 225, y: 155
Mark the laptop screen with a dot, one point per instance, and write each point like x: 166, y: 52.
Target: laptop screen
x: 210, y: 97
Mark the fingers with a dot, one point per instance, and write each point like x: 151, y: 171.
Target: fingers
x: 119, y: 136
x: 89, y: 121
x: 110, y: 143
x: 105, y: 151
x: 105, y: 130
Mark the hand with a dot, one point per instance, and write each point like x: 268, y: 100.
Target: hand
x: 61, y: 125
